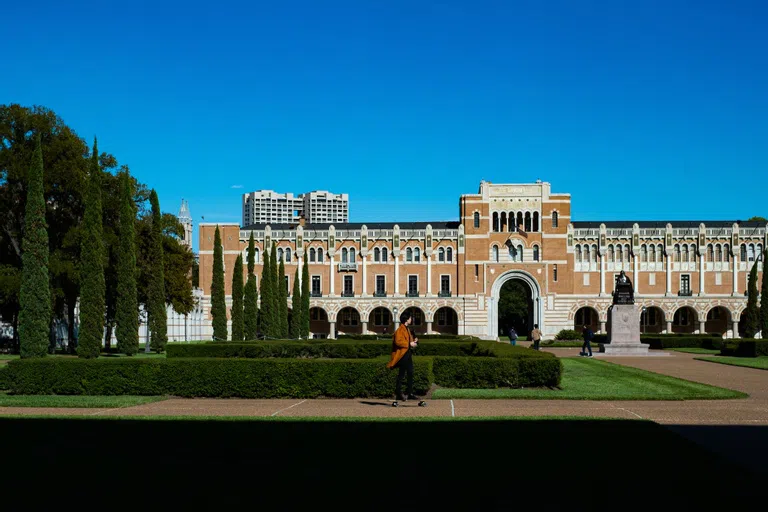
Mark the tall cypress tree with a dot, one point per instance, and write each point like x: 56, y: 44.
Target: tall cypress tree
x: 764, y: 298
x: 92, y: 286
x: 305, y: 299
x: 275, y: 295
x: 218, y: 303
x: 265, y: 311
x: 752, y: 324
x: 296, y: 323
x: 282, y: 297
x: 251, y: 301
x: 34, y: 295
x: 158, y: 318
x: 237, y: 300
x: 127, y: 308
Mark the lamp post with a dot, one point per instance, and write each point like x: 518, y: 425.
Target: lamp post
x: 645, y: 317
x: 396, y: 319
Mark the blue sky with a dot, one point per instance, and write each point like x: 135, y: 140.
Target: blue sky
x: 405, y: 105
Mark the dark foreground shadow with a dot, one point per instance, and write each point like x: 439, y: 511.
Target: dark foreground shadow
x: 363, y: 465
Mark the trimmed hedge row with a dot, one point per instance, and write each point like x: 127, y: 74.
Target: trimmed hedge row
x: 494, y: 372
x: 4, y: 382
x: 661, y: 341
x: 444, y: 337
x: 744, y: 348
x: 347, y: 349
x: 247, y: 378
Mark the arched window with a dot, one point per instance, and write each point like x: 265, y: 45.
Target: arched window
x: 449, y: 254
x: 416, y: 254
x: 512, y: 253
x: 312, y: 255
x: 288, y: 255
x: 594, y: 253
x: 535, y: 253
x: 519, y: 220
x: 351, y: 254
x: 503, y: 221
x: 726, y: 253
x: 660, y: 253
x: 619, y: 254
x: 441, y: 254
x: 692, y: 254
x: 512, y: 225
x: 376, y: 254
x: 477, y: 219
x: 496, y: 221
x: 677, y: 253
x: 711, y: 253
x: 319, y: 254
x: 344, y: 255
x: 610, y: 255
x: 577, y: 253
x: 384, y: 254
x: 527, y: 222
x: 684, y: 256
x: 626, y: 253
x: 759, y: 251
x: 495, y: 253
x: 256, y: 254
x: 535, y: 221
x: 279, y: 254
x: 743, y: 252
x: 585, y: 249
x: 652, y: 257
x: 643, y: 253
x: 554, y: 219
x: 409, y: 254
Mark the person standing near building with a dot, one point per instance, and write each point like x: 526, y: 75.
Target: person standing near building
x: 587, y: 334
x: 403, y: 344
x: 536, y: 336
x: 512, y: 336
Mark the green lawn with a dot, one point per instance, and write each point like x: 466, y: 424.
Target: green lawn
x: 590, y: 379
x: 695, y: 350
x: 110, y: 402
x: 761, y: 363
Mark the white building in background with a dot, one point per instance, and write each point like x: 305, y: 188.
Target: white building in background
x: 268, y: 206
x: 186, y: 220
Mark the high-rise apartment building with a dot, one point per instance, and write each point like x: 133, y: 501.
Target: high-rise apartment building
x: 267, y: 206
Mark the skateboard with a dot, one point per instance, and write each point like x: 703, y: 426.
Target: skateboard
x: 422, y: 403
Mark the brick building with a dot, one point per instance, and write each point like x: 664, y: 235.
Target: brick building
x: 688, y: 276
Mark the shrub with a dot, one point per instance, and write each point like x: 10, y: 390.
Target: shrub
x: 4, y: 382
x: 568, y: 334
x: 660, y: 342
x: 247, y: 378
x: 422, y: 337
x: 744, y: 348
x: 493, y: 372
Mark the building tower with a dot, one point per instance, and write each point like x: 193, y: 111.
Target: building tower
x: 186, y: 221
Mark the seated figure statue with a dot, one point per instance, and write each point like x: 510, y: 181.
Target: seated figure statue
x: 623, y: 291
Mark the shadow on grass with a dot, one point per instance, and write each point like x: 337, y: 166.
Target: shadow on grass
x: 362, y: 465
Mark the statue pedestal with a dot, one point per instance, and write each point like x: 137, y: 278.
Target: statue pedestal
x: 625, y: 332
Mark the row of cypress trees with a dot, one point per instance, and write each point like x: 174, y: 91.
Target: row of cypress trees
x: 756, y: 317
x: 35, y: 297
x: 248, y: 320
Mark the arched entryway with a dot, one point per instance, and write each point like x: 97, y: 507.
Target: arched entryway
x: 586, y: 315
x: 533, y: 314
x: 319, y: 327
x: 685, y: 320
x: 348, y: 321
x: 419, y: 324
x: 446, y: 321
x: 652, y: 320
x: 380, y: 321
x: 718, y: 320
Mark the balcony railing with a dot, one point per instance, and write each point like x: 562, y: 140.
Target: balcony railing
x: 412, y: 294
x: 347, y: 294
x: 380, y: 294
x: 444, y: 294
x: 347, y: 267
x: 685, y: 293
x: 315, y: 294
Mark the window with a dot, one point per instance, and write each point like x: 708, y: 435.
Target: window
x: 376, y: 254
x: 319, y: 255
x: 535, y: 253
x: 512, y: 226
x: 495, y: 254
x: 685, y: 284
x: 652, y: 279
x: 312, y: 255
x: 743, y: 253
x: 652, y: 257
x: 477, y: 219
x: 288, y: 255
x: 280, y: 254
x: 527, y: 222
x: 477, y: 271
x: 586, y: 279
x: 726, y: 253
x: 496, y: 221
x: 711, y: 252
x: 520, y: 253
x: 449, y: 255
x: 349, y: 316
x: 381, y: 317
x: 682, y: 317
x: 441, y: 254
x: 513, y: 253
x: 316, y: 286
x: 381, y: 285
x: 751, y: 252
x: 445, y: 284
x: 256, y: 255
x: 384, y: 254
x: 413, y: 286
x: 718, y: 278
x: 554, y: 219
x: 287, y: 286
x: 416, y: 254
x: 352, y: 255
x: 409, y: 254
x: 349, y: 286
x: 344, y: 255
x: 554, y: 273
x: 644, y: 253
x: 535, y: 221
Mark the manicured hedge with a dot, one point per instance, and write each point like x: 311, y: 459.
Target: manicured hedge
x: 247, y: 378
x: 4, y: 377
x: 661, y: 341
x: 493, y: 372
x: 421, y: 337
x: 744, y: 348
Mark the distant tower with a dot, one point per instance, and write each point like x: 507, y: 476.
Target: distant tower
x: 186, y: 220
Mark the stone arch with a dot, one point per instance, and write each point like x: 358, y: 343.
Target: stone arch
x: 319, y: 322
x: 493, y: 313
x: 349, y: 320
x: 586, y: 315
x: 685, y: 319
x: 380, y: 319
x: 419, y: 324
x: 654, y: 320
x: 717, y: 319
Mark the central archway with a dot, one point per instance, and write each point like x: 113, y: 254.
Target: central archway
x: 534, y: 316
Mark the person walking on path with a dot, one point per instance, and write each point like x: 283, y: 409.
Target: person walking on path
x: 401, y: 358
x: 536, y: 336
x: 587, y: 334
x: 512, y: 336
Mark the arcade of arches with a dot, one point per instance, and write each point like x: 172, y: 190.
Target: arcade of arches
x: 380, y: 321
x: 653, y: 320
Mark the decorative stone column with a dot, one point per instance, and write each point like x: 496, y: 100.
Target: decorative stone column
x: 365, y: 280
x: 332, y: 331
x: 397, y: 273
x: 602, y: 327
x: 331, y: 275
x: 735, y: 328
x: 669, y: 275
x: 429, y: 273
x: 702, y: 326
x: 429, y: 327
x: 364, y: 324
x: 669, y: 326
x: 602, y: 275
x: 735, y: 271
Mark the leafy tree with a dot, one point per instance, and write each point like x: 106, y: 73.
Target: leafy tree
x: 127, y: 309
x: 305, y: 299
x: 764, y: 297
x: 752, y: 313
x: 156, y: 311
x: 218, y: 303
x: 282, y: 297
x: 237, y: 300
x: 35, y: 314
x: 195, y: 274
x: 93, y: 290
x: 296, y: 320
x: 759, y: 219
x: 266, y: 312
x: 251, y: 301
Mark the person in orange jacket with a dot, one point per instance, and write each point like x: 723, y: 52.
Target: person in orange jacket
x: 402, y: 357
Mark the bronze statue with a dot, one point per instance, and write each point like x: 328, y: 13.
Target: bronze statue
x: 623, y: 292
